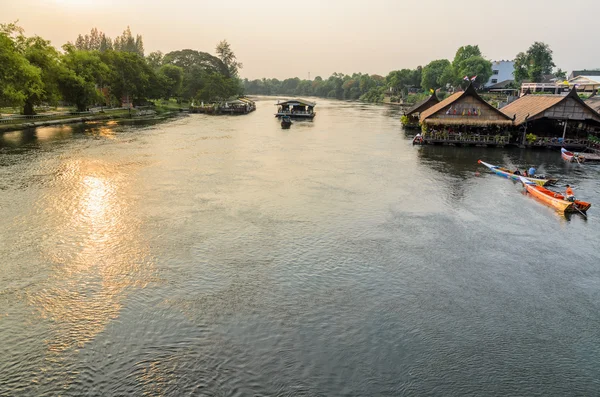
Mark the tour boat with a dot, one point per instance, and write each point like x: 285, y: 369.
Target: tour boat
x: 508, y: 174
x: 286, y: 122
x: 553, y: 199
x: 296, y: 109
x: 571, y: 157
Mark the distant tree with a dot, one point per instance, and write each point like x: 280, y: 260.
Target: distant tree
x: 127, y: 43
x: 560, y: 74
x: 155, y: 59
x: 218, y: 88
x: 226, y: 55
x: 436, y: 74
x: 534, y: 64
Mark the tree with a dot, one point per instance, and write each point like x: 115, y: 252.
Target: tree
x: 226, y: 55
x: 171, y: 79
x: 85, y: 71
x: 126, y: 43
x: 19, y: 79
x: 130, y: 75
x: 436, y: 74
x: 534, y: 64
x: 464, y: 53
x: 218, y: 88
x: 155, y: 59
x: 560, y: 74
x: 476, y: 66
x: 41, y: 54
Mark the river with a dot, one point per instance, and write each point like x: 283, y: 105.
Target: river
x: 224, y: 256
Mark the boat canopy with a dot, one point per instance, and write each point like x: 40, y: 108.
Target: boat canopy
x: 297, y: 102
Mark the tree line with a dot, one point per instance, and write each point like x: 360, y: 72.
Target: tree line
x: 98, y: 70
x: 441, y: 74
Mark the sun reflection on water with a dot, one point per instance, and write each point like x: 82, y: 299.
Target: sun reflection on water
x: 96, y: 251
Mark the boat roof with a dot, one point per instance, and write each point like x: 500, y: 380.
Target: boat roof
x: 295, y: 102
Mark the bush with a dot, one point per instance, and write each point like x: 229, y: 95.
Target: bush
x: 531, y: 138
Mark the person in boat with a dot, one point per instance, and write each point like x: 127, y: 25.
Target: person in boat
x: 517, y: 172
x: 531, y: 172
x: 569, y: 194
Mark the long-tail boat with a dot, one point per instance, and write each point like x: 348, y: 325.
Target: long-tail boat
x: 571, y: 157
x: 553, y: 199
x: 500, y: 171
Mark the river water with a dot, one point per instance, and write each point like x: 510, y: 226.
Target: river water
x: 224, y: 256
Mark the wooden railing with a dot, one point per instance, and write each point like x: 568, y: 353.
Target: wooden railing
x: 467, y: 138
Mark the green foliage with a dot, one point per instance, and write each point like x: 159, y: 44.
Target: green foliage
x: 534, y: 64
x: 436, y: 74
x: 476, y: 66
x: 171, y: 81
x: 531, y: 138
x: 339, y: 86
x: 33, y: 72
x: 19, y: 79
x: 84, y: 71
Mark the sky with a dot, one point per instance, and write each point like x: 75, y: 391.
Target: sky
x: 281, y: 39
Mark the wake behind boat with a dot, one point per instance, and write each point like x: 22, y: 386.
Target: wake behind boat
x: 506, y: 173
x: 553, y: 199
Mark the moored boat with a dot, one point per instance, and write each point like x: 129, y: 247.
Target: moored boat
x: 500, y: 171
x: 286, y: 122
x: 571, y: 157
x: 554, y: 199
x: 418, y: 140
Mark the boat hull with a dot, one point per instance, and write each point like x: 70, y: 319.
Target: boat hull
x: 503, y: 172
x: 556, y: 200
x: 571, y: 157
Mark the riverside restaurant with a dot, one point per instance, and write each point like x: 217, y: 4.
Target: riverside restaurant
x: 465, y: 119
x: 553, y: 120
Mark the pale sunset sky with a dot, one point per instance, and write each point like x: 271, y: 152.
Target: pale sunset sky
x: 292, y: 38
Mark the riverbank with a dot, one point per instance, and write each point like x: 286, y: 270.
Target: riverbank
x: 60, y: 120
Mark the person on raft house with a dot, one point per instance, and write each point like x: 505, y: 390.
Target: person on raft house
x: 531, y: 171
x: 517, y: 172
x: 570, y: 194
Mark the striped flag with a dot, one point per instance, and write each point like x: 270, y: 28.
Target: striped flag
x: 473, y: 78
x: 466, y: 78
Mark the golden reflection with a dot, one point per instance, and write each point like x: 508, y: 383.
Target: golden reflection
x: 51, y: 133
x: 97, y: 252
x: 13, y: 138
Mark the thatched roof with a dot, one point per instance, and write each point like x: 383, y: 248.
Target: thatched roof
x: 533, y: 106
x: 423, y: 105
x: 470, y: 91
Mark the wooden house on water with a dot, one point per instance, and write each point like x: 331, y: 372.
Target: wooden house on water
x: 553, y: 120
x: 296, y: 109
x: 410, y: 119
x: 464, y: 118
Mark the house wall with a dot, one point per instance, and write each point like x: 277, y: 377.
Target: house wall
x: 505, y: 72
x: 462, y: 107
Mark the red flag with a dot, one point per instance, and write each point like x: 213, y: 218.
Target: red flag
x: 473, y: 78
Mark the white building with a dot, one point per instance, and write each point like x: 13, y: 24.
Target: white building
x: 502, y: 74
